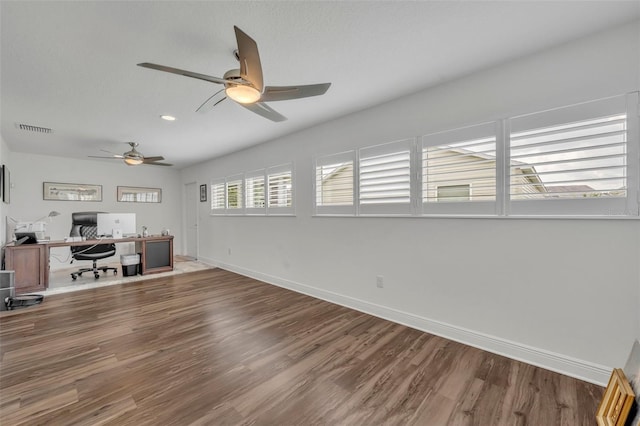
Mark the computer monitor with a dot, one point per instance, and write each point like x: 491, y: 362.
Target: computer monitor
x: 116, y: 225
x: 26, y: 238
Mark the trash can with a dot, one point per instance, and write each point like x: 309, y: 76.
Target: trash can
x: 7, y: 288
x: 129, y: 264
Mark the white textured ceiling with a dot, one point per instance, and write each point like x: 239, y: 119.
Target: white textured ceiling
x: 71, y: 66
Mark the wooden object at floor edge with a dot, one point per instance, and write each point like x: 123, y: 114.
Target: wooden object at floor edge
x: 616, y: 402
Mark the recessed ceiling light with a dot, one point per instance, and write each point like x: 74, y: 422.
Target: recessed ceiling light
x: 168, y: 117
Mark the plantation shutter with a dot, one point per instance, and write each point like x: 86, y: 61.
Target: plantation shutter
x: 218, y: 199
x: 574, y: 160
x: 280, y: 190
x: 334, y: 184
x: 385, y: 178
x: 254, y: 192
x: 235, y: 194
x: 459, y: 170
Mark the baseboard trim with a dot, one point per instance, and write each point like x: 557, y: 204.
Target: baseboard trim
x: 579, y: 369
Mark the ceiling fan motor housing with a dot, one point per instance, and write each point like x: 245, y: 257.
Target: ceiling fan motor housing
x: 233, y: 75
x: 134, y: 155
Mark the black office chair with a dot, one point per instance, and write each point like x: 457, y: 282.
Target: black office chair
x: 85, y: 224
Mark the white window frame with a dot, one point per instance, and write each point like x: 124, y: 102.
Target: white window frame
x: 391, y: 209
x: 255, y: 211
x: 608, y: 207
x: 280, y: 210
x: 221, y: 184
x: 342, y: 210
x: 477, y: 131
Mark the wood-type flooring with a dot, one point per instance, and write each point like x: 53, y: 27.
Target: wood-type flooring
x: 216, y: 348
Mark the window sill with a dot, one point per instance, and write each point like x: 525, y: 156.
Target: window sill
x: 471, y: 216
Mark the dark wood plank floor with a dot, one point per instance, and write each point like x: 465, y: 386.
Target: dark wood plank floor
x: 216, y: 348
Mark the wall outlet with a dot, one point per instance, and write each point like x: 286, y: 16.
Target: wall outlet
x: 229, y: 251
x: 379, y: 281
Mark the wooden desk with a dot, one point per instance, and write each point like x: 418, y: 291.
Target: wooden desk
x: 31, y: 261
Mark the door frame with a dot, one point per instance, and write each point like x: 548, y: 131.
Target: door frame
x: 185, y: 219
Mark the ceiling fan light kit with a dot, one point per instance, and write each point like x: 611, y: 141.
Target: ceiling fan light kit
x: 245, y: 86
x: 133, y: 161
x: 243, y: 94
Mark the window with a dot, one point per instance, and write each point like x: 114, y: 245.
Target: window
x: 334, y: 184
x: 385, y: 178
x: 234, y: 194
x: 582, y: 159
x: 459, y: 170
x: 254, y: 191
x: 574, y: 160
x: 280, y: 190
x: 258, y: 192
x: 454, y: 192
x: 218, y: 201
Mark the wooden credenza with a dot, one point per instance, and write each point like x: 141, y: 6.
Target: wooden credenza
x: 31, y: 265
x: 31, y: 261
x: 156, y: 254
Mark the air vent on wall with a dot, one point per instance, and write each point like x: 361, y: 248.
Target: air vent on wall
x: 30, y: 128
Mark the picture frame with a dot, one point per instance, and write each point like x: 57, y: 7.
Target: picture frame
x: 58, y: 191
x: 1, y: 182
x: 616, y: 402
x: 203, y: 192
x: 6, y: 184
x: 138, y: 194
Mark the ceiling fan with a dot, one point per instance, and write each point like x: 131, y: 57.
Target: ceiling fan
x: 135, y: 157
x: 245, y: 85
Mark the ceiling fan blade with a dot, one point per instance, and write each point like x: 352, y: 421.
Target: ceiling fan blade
x: 185, y: 73
x: 265, y: 110
x: 283, y: 93
x: 154, y: 163
x: 214, y: 100
x: 151, y: 159
x: 110, y: 158
x: 112, y: 153
x: 250, y: 67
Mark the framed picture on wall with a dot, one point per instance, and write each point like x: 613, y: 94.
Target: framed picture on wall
x: 6, y: 184
x: 135, y: 194
x: 71, y: 191
x: 203, y: 192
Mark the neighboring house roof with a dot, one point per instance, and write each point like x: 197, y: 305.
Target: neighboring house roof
x: 336, y: 171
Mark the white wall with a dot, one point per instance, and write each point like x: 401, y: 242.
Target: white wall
x: 563, y: 294
x: 28, y: 172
